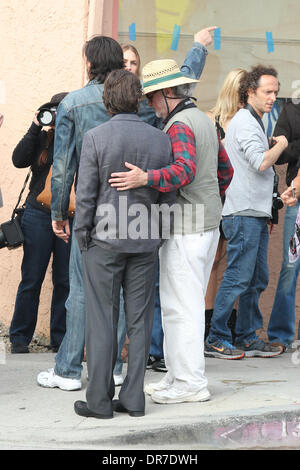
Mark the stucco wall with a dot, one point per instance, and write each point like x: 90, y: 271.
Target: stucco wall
x: 41, y: 54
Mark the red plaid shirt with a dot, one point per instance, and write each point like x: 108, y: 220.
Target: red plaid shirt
x: 225, y: 169
x: 182, y: 171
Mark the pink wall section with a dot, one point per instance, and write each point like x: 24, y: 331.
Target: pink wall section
x: 41, y: 44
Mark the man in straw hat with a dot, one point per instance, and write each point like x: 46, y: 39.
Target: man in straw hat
x: 114, y: 233
x: 186, y: 258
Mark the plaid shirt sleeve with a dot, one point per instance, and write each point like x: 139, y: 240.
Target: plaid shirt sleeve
x: 225, y: 169
x: 182, y: 171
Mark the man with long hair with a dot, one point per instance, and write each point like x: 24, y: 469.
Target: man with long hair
x: 79, y: 112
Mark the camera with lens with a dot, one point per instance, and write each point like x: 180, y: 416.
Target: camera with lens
x: 47, y: 112
x: 11, y: 235
x: 277, y: 202
x: 47, y: 115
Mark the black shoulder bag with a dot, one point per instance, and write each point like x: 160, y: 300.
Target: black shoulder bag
x: 11, y: 235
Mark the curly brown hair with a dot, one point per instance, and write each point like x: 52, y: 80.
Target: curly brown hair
x: 122, y: 92
x: 250, y: 81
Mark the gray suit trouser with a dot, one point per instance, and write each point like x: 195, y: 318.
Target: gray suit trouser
x: 105, y: 271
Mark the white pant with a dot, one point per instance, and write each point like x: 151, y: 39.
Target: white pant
x: 185, y: 266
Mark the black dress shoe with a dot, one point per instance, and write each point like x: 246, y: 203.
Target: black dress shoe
x: 156, y: 363
x: 119, y: 408
x: 81, y: 409
x: 19, y: 348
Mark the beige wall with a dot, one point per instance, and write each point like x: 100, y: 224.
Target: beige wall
x: 41, y: 45
x: 41, y: 54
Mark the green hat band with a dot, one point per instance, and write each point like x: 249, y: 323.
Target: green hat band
x: 163, y: 79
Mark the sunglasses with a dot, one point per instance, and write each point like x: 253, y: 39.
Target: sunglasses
x: 150, y: 95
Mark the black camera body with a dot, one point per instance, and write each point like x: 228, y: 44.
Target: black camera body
x: 277, y: 202
x: 46, y: 116
x: 47, y: 112
x: 11, y: 235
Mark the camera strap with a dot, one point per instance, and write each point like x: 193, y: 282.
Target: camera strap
x: 256, y: 116
x: 21, y: 193
x: 184, y: 104
x: 259, y: 120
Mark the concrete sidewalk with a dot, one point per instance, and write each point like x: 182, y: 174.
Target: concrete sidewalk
x: 255, y: 403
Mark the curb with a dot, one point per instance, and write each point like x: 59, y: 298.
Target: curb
x: 272, y: 429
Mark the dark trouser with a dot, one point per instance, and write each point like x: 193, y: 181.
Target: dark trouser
x: 104, y: 273
x: 40, y: 243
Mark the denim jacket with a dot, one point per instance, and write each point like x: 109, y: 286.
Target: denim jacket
x: 82, y: 110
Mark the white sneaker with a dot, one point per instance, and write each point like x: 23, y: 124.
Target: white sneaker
x: 118, y: 380
x: 157, y: 386
x: 50, y: 379
x: 173, y: 395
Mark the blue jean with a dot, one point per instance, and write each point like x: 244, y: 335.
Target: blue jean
x: 281, y: 326
x: 68, y: 361
x: 121, y: 336
x: 157, y: 339
x: 40, y: 242
x: 246, y: 277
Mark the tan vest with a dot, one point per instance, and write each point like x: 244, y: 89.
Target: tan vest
x: 199, y: 202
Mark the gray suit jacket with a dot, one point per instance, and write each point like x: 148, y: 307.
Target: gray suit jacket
x: 125, y: 221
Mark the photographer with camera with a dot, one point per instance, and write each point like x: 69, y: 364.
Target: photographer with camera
x: 35, y: 150
x: 246, y: 213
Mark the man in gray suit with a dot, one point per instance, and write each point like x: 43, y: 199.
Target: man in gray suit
x: 119, y: 237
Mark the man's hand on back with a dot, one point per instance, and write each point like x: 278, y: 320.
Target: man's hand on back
x: 135, y: 178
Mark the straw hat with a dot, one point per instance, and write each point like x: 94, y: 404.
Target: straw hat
x: 160, y: 74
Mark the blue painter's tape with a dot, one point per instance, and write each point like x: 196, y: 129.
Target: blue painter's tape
x: 131, y: 30
x: 217, y: 39
x: 175, y: 38
x: 270, y: 42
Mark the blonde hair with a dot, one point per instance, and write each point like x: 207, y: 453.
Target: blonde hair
x: 130, y: 47
x: 228, y: 102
